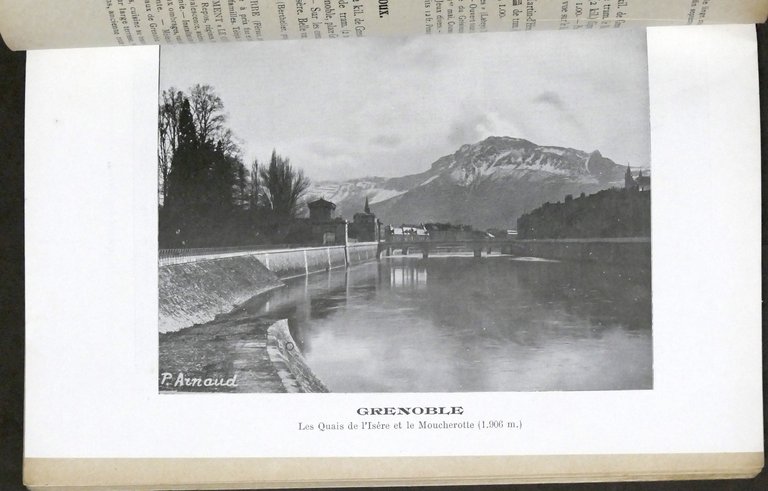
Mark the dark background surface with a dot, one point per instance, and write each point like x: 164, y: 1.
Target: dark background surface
x: 12, y: 286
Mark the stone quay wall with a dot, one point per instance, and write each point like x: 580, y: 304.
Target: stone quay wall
x: 291, y: 367
x: 195, y: 292
x: 193, y: 289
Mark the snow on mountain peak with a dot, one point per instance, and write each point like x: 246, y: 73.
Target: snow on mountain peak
x: 496, y: 168
x: 502, y: 157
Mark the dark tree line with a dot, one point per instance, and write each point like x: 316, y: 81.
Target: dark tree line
x: 608, y: 213
x: 207, y: 195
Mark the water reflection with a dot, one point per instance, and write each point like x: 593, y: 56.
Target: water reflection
x: 465, y: 324
x: 411, y: 277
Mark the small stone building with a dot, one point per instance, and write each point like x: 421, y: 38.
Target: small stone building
x: 321, y: 210
x: 326, y: 229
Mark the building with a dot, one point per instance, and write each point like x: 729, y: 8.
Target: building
x: 325, y: 228
x: 629, y: 181
x: 503, y: 233
x: 448, y: 231
x: 321, y: 210
x: 365, y: 227
x: 641, y: 182
x: 407, y: 233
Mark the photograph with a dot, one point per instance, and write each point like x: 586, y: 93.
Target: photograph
x: 406, y: 214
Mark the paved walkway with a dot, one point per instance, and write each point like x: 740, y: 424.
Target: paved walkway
x: 221, y: 349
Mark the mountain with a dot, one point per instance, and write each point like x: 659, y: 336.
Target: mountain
x: 485, y: 184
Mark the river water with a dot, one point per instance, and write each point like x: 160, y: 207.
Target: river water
x: 458, y: 323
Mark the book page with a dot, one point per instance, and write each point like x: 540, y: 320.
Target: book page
x: 99, y: 412
x: 30, y: 24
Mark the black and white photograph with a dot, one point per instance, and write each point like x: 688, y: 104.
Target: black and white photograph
x: 408, y: 214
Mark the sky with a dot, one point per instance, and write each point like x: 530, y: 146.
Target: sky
x: 342, y: 109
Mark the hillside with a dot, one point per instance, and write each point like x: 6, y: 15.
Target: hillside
x: 486, y: 184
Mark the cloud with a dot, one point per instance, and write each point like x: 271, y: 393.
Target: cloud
x: 327, y: 148
x: 391, y: 106
x: 550, y: 98
x: 386, y: 140
x: 570, y: 117
x: 469, y: 129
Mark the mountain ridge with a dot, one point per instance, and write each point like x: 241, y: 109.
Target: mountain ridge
x: 484, y: 184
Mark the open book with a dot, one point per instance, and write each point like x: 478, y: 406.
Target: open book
x: 398, y: 259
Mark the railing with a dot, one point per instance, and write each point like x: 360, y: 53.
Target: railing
x: 176, y: 256
x: 407, y: 238
x: 355, y: 244
x: 491, y: 241
x: 179, y: 256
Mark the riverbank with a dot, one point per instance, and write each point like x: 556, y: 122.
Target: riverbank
x: 230, y: 355
x: 202, y: 331
x: 195, y: 288
x: 634, y: 251
x: 195, y: 292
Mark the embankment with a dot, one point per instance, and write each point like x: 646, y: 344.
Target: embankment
x: 194, y: 288
x: 631, y: 250
x: 195, y: 292
x: 361, y: 251
x: 294, y: 373
x: 289, y: 263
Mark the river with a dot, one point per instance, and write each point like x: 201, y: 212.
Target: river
x: 457, y: 323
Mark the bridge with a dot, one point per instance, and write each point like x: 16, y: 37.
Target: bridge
x: 504, y: 246
x: 614, y: 249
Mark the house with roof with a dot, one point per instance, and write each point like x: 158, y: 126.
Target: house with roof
x: 407, y: 233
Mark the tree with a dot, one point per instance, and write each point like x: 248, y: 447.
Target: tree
x: 168, y: 137
x: 203, y: 188
x: 206, y: 118
x: 208, y: 113
x: 181, y: 180
x: 282, y: 187
x: 253, y: 191
x: 229, y: 144
x: 242, y: 184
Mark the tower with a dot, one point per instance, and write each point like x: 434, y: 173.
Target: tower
x: 629, y: 182
x: 365, y: 225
